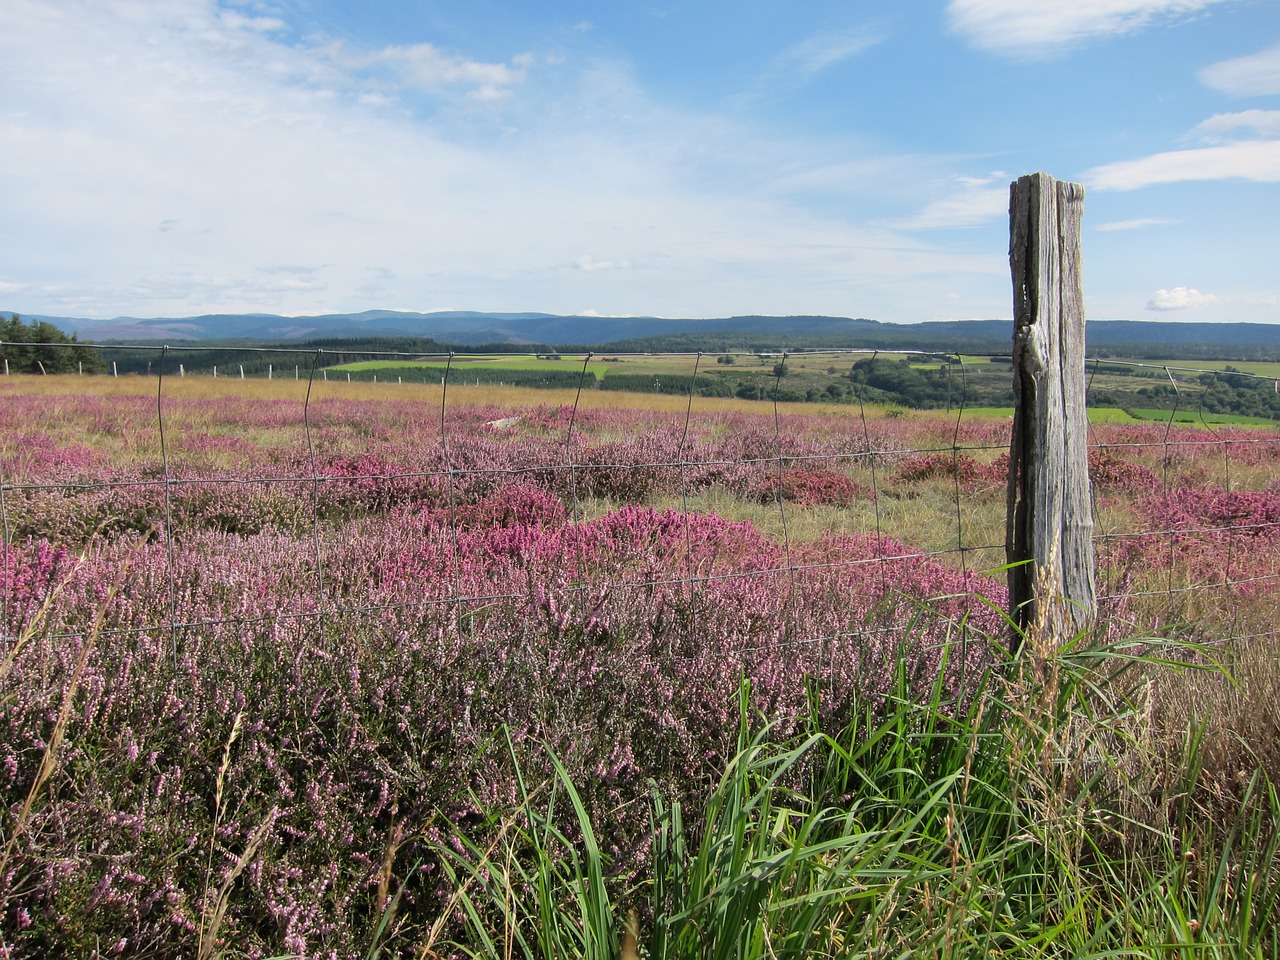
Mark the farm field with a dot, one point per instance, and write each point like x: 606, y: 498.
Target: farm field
x: 1212, y: 393
x: 1217, y: 393
x: 281, y: 658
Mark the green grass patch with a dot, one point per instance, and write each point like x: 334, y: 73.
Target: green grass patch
x: 998, y: 825
x: 464, y: 366
x: 1194, y: 419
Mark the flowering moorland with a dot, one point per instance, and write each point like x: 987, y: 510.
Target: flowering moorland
x: 254, y: 665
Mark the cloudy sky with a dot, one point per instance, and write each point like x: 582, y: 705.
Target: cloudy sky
x: 684, y: 158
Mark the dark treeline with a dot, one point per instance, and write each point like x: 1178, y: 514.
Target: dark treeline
x: 255, y: 356
x: 57, y: 353
x: 1184, y: 351
x: 755, y: 343
x: 469, y: 374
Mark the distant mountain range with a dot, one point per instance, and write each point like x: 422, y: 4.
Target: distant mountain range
x: 466, y: 328
x: 455, y: 326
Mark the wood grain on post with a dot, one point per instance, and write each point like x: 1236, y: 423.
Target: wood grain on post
x: 1049, y: 525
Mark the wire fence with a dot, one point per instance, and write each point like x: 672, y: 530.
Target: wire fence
x: 809, y: 505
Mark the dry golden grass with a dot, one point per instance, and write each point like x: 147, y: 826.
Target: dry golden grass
x: 198, y: 387
x: 1239, y: 711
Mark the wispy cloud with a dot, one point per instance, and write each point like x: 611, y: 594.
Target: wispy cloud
x: 1254, y: 75
x: 589, y: 263
x: 972, y: 202
x: 1136, y: 224
x: 814, y: 54
x: 1180, y: 298
x: 1033, y: 28
x: 201, y: 147
x: 1264, y: 123
x: 802, y: 62
x: 238, y: 21
x: 1257, y: 160
x: 427, y: 68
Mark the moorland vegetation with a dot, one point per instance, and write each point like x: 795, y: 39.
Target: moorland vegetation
x: 309, y: 669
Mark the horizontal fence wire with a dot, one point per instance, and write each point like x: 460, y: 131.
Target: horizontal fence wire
x: 1185, y: 508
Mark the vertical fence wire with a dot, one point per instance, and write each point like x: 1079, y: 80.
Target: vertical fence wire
x: 568, y: 439
x: 1226, y: 478
x: 1099, y: 524
x: 454, y: 566
x: 1166, y: 460
x: 9, y: 571
x: 684, y: 501
x: 955, y: 462
x: 955, y: 476
x: 315, y: 482
x: 780, y: 498
x: 579, y: 545
x: 168, y: 511
x: 872, y: 456
x: 1226, y: 474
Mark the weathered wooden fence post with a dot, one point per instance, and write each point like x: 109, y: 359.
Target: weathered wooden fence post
x: 1049, y: 524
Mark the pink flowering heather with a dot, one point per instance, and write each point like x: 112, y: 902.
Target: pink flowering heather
x: 307, y: 645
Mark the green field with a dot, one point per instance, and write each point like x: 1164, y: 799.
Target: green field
x: 1192, y: 418
x: 1119, y: 391
x: 460, y: 365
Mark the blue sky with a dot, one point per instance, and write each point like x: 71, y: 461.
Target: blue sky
x: 660, y: 157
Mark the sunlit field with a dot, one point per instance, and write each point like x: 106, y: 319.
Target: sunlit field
x: 313, y: 668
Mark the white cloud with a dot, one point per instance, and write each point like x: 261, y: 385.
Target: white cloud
x: 6, y: 287
x: 159, y: 158
x: 238, y: 21
x: 587, y: 264
x: 425, y: 67
x: 1264, y: 123
x: 1136, y: 224
x: 1180, y: 298
x: 1255, y: 75
x: 1257, y: 160
x: 1039, y: 27
x: 975, y: 203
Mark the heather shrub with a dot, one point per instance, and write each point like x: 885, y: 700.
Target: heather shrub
x: 43, y: 457
x: 1109, y: 470
x: 957, y: 467
x: 1193, y: 514
x: 308, y: 745
x: 73, y: 514
x: 369, y: 483
x: 810, y: 486
x: 623, y: 471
